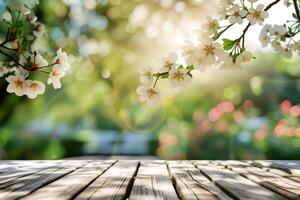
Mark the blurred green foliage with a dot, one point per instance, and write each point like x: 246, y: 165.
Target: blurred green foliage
x: 99, y: 94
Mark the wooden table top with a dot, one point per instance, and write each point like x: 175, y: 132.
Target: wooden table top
x: 108, y: 179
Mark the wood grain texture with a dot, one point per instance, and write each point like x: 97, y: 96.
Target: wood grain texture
x: 30, y: 183
x: 71, y: 184
x: 292, y: 167
x: 153, y: 182
x: 149, y: 180
x: 237, y: 186
x: 191, y: 184
x: 16, y: 169
x: 274, y: 182
x: 113, y: 184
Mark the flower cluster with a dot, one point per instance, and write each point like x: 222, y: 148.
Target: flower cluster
x: 213, y: 50
x: 281, y: 38
x: 177, y: 75
x: 19, y: 83
x: 20, y: 62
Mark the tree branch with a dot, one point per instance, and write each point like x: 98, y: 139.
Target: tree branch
x: 271, y: 5
x: 12, y: 58
x: 296, y: 9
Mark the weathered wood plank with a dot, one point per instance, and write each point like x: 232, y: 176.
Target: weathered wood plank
x: 276, y: 183
x: 237, y: 186
x: 28, y: 184
x: 71, y: 184
x: 191, y: 184
x: 267, y: 166
x: 19, y: 169
x: 292, y: 167
x: 113, y: 184
x: 153, y: 182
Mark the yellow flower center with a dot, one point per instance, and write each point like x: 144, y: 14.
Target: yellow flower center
x: 147, y: 74
x: 18, y: 83
x: 236, y: 14
x: 34, y: 86
x: 178, y: 76
x: 55, y: 73
x: 256, y: 14
x: 151, y: 93
x: 212, y: 25
x: 209, y: 49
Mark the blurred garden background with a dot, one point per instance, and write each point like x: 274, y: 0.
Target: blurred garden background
x: 252, y: 113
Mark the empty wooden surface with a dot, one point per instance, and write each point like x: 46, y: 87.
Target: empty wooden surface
x: 149, y: 180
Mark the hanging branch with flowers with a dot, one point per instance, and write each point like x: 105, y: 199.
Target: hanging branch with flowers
x: 19, y: 62
x: 214, y: 49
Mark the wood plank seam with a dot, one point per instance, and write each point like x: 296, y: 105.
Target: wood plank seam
x: 130, y: 185
x: 286, y: 187
x: 76, y: 194
x: 173, y: 181
x: 232, y: 190
x: 60, y: 177
x: 269, y: 184
x: 192, y: 184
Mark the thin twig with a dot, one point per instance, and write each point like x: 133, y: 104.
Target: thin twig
x: 12, y: 58
x: 271, y: 5
x: 48, y: 65
x: 296, y: 9
x: 8, y: 48
x: 219, y: 34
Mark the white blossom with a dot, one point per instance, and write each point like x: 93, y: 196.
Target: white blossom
x: 61, y: 59
x: 3, y: 70
x: 16, y: 85
x: 276, y: 44
x: 277, y: 30
x: 236, y: 14
x: 55, y: 76
x: 38, y: 61
x: 226, y: 3
x: 227, y: 62
x: 210, y: 26
x: 149, y: 95
x: 146, y: 75
x: 189, y: 52
x: 266, y: 28
x: 257, y: 15
x: 286, y: 52
x: 168, y: 62
x: 296, y: 47
x: 34, y: 88
x: 20, y: 71
x: 252, y: 1
x: 245, y: 56
x: 264, y: 37
x: 31, y: 18
x: 38, y: 29
x: 178, y: 76
x: 221, y: 13
x: 208, y: 51
x: 24, y: 10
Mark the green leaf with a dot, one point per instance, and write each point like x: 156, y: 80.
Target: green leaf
x: 191, y: 67
x: 165, y: 76
x: 295, y: 16
x: 228, y: 44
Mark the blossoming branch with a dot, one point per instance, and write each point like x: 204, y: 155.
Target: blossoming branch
x: 226, y: 53
x: 19, y: 63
